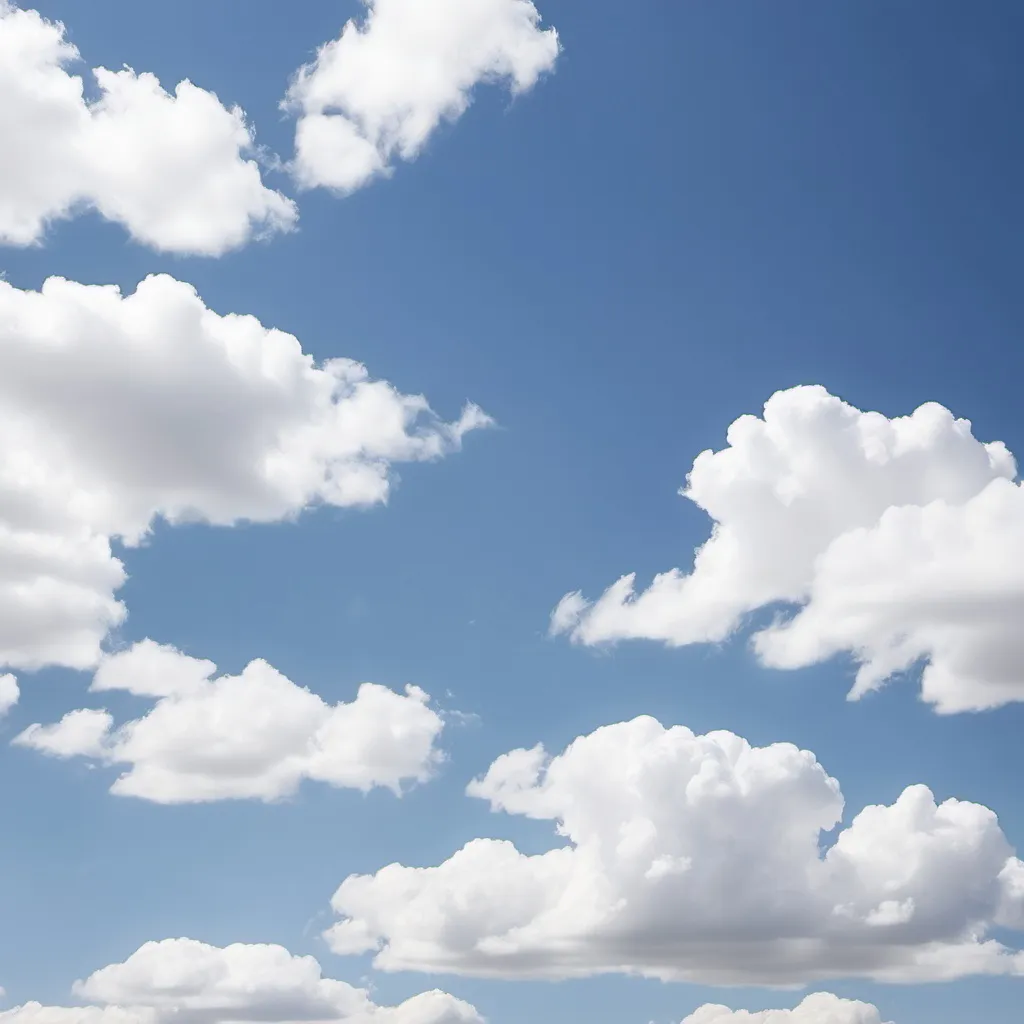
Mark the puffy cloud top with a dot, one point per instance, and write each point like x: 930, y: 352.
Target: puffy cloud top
x: 252, y: 736
x: 181, y: 979
x: 698, y: 858
x: 116, y: 410
x: 174, y: 168
x: 898, y: 540
x: 820, y: 1008
x: 382, y: 88
x: 10, y: 693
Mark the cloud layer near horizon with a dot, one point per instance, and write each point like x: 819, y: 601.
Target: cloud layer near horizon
x: 899, y: 541
x: 698, y: 858
x: 819, y: 1008
x: 118, y: 410
x: 181, y: 979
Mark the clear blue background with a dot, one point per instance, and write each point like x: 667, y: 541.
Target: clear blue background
x: 707, y: 202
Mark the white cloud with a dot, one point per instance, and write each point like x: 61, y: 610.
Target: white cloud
x: 34, y: 1013
x: 116, y: 410
x: 81, y: 733
x: 176, y: 170
x: 698, y: 858
x: 181, y: 979
x: 899, y: 540
x: 820, y: 1008
x: 9, y: 694
x: 381, y: 89
x: 252, y: 736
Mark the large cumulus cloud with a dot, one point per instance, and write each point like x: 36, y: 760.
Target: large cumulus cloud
x: 117, y: 410
x: 698, y: 858
x: 900, y: 541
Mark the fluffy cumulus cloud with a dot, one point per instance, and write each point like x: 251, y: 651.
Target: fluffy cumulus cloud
x: 9, y: 693
x: 116, y: 410
x: 175, y: 169
x: 698, y: 858
x: 382, y: 87
x: 900, y: 541
x: 820, y: 1008
x: 181, y: 979
x: 252, y: 736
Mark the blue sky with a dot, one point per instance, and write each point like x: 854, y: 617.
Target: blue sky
x: 701, y: 205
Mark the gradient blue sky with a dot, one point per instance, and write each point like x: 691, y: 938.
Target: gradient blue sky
x: 705, y: 203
